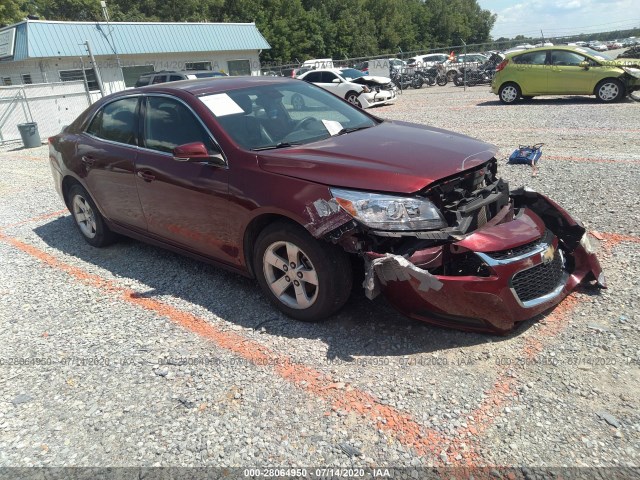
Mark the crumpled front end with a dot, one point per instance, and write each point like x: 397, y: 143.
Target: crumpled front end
x: 377, y: 91
x: 504, y: 257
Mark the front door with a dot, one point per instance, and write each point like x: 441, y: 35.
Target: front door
x: 184, y: 203
x: 566, y: 76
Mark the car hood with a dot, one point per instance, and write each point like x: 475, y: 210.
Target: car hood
x: 373, y: 80
x: 397, y: 157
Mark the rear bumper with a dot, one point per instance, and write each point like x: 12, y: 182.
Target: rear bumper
x: 531, y: 281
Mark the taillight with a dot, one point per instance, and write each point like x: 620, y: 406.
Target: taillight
x: 502, y: 64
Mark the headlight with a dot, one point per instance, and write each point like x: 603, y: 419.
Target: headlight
x: 389, y: 212
x: 634, y: 72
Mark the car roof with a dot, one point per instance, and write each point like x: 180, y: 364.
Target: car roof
x: 570, y: 48
x: 203, y: 86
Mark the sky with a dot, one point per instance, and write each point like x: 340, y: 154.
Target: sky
x: 557, y: 18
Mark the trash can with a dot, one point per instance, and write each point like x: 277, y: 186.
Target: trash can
x: 30, y: 135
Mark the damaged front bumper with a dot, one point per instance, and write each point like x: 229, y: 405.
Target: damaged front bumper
x: 495, y: 277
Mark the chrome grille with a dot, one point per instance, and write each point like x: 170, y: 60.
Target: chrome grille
x: 540, y: 280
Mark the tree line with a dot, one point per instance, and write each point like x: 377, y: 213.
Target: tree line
x: 296, y: 29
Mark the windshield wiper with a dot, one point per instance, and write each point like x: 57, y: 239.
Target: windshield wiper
x: 353, y: 129
x: 278, y: 145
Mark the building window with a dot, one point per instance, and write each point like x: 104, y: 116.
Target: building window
x: 132, y: 74
x: 26, y: 79
x: 197, y: 66
x: 239, y: 67
x: 75, y: 75
x: 6, y: 81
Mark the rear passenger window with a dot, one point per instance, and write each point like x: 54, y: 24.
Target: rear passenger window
x: 159, y: 79
x: 174, y: 78
x: 117, y: 121
x: 531, y: 58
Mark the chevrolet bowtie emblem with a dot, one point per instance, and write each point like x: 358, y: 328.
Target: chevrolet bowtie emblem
x: 548, y: 255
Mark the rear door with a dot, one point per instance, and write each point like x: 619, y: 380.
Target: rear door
x: 107, y: 153
x: 184, y: 203
x: 530, y: 71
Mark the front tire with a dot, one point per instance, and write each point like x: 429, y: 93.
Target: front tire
x: 305, y: 278
x: 352, y: 98
x: 610, y: 90
x: 88, y: 219
x: 509, y: 93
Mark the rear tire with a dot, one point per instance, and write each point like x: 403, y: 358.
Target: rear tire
x: 307, y: 279
x: 88, y: 219
x: 610, y: 90
x: 509, y: 93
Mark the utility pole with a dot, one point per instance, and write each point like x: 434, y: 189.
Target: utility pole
x: 96, y: 70
x: 465, y: 68
x: 105, y: 12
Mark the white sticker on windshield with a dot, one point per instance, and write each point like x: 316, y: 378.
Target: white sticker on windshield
x: 332, y: 127
x: 221, y: 104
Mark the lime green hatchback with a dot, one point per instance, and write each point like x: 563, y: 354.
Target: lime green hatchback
x: 564, y: 70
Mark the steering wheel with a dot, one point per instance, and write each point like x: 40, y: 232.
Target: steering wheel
x: 304, y: 124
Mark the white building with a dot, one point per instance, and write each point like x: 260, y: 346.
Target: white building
x: 41, y: 51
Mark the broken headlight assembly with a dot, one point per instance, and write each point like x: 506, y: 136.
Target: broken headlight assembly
x: 389, y: 212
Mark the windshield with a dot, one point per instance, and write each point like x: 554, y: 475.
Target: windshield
x: 597, y: 55
x: 351, y: 73
x: 283, y: 114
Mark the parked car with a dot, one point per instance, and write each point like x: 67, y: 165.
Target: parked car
x: 460, y: 62
x: 227, y: 172
x: 426, y: 61
x: 565, y: 71
x: 353, y: 85
x: 174, y: 76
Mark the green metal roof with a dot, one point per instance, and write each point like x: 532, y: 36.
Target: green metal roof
x: 42, y: 39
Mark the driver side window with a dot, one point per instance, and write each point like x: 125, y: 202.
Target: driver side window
x: 168, y: 124
x: 563, y: 57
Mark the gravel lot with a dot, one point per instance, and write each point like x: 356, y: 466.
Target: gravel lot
x: 133, y: 356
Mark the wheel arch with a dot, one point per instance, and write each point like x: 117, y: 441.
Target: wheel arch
x: 67, y: 182
x: 253, y: 229
x: 619, y: 80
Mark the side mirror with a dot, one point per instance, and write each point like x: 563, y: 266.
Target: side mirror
x: 336, y: 80
x: 584, y: 65
x: 196, y: 152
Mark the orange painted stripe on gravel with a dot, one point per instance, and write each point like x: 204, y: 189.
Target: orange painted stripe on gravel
x: 341, y: 397
x: 591, y: 160
x: 504, y: 388
x: 45, y: 216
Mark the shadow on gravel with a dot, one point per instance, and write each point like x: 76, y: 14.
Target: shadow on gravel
x: 361, y: 328
x: 557, y: 101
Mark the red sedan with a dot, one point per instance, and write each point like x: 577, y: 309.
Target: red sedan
x: 231, y: 172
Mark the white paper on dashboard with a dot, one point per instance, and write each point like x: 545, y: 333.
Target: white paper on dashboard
x: 221, y: 104
x: 332, y: 126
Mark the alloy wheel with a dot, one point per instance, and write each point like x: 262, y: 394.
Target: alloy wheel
x: 84, y: 216
x: 290, y: 275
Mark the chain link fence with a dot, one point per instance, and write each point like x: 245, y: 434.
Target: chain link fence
x: 50, y: 105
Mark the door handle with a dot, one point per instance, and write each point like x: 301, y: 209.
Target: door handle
x: 146, y: 176
x: 87, y: 160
